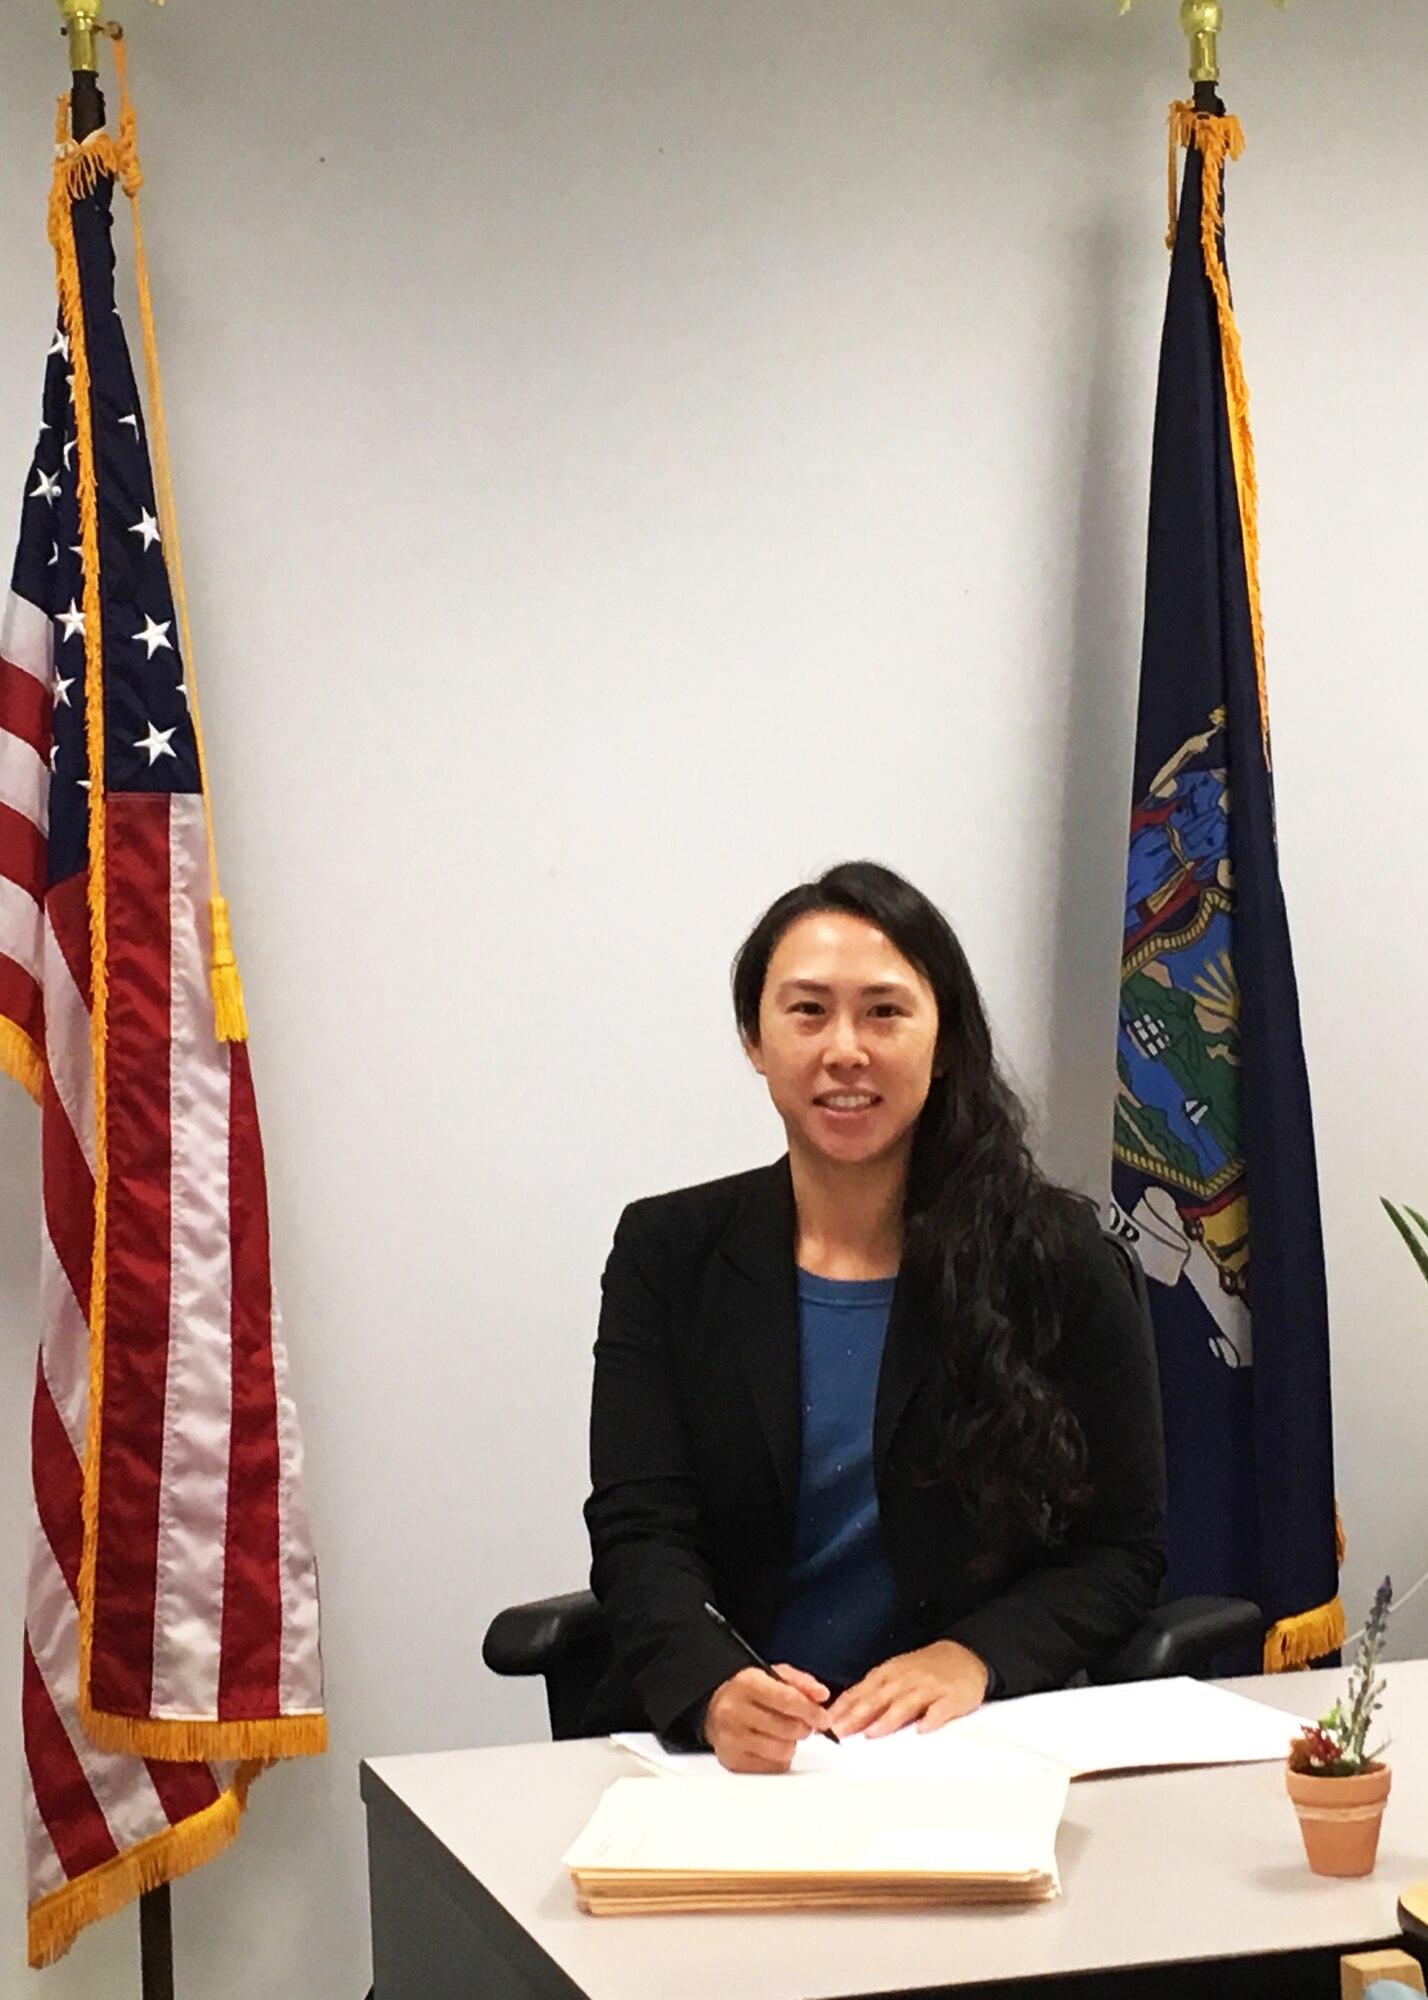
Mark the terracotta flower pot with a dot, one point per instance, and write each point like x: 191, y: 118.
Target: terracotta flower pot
x: 1340, y: 1817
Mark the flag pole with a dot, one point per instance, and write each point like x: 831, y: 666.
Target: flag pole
x: 82, y: 26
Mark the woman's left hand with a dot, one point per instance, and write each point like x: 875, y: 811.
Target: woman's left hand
x: 934, y: 1685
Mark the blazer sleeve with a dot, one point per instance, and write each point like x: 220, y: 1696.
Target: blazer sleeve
x: 1079, y: 1600
x: 650, y: 1562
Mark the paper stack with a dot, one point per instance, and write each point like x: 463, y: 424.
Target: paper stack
x: 765, y: 1844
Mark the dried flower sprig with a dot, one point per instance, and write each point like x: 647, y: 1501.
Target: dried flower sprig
x: 1336, y: 1747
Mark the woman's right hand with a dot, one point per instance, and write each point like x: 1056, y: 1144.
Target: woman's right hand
x: 754, y: 1723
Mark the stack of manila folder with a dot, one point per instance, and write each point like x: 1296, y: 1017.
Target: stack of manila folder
x: 765, y: 1844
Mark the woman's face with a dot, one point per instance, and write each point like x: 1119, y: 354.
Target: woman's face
x: 847, y: 1038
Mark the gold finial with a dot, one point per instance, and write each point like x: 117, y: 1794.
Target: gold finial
x: 82, y: 22
x: 1201, y: 20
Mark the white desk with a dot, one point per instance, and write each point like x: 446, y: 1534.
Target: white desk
x: 469, y: 1897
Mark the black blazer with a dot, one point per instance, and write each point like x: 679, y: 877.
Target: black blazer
x: 695, y: 1447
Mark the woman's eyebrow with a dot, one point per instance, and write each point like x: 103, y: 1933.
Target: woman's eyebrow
x: 818, y: 986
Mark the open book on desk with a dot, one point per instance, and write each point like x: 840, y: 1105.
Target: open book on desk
x: 764, y: 1844
x: 1084, y: 1732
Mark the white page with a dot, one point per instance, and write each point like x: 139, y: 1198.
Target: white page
x: 1142, y: 1725
x: 958, y: 1751
x: 766, y: 1826
x: 1130, y: 1726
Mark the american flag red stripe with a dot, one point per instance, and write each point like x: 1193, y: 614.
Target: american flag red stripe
x: 71, y: 1813
x: 137, y: 1271
x: 22, y: 853
x: 59, y: 1483
x: 25, y: 704
x: 67, y: 911
x: 250, y: 1671
x: 21, y: 1000
x: 171, y: 1621
x: 69, y: 1196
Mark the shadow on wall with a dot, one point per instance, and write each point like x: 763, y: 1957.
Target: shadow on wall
x: 1103, y: 631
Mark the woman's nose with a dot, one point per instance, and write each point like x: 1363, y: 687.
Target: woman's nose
x: 845, y: 1045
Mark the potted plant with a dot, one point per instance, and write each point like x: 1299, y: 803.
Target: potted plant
x: 1339, y: 1786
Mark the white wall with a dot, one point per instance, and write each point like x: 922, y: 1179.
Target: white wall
x: 631, y: 453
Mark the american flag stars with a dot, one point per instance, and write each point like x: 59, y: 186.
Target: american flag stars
x: 154, y: 635
x: 157, y: 744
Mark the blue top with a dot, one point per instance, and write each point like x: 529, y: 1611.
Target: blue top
x: 839, y: 1613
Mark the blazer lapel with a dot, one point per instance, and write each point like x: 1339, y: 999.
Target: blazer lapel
x: 759, y: 1245
x: 906, y: 1362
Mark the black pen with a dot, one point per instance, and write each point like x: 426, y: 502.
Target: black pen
x: 756, y: 1659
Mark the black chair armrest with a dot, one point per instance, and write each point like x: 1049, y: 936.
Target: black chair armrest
x: 534, y: 1638
x: 1183, y: 1637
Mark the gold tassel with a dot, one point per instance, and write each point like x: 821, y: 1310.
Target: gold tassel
x: 57, y: 1919
x: 1219, y: 139
x: 1294, y: 1642
x: 21, y: 1059
x: 230, y: 1022
x: 193, y: 1740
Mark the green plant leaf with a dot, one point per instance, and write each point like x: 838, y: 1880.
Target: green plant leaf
x: 1415, y: 1238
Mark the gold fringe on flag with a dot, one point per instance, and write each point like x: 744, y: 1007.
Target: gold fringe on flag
x: 197, y: 1740
x: 1216, y: 139
x: 21, y: 1059
x: 57, y: 1919
x: 1294, y: 1642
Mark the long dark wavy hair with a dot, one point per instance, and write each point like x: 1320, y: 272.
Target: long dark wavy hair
x: 986, y: 1237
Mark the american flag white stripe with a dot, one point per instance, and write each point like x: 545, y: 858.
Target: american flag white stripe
x: 64, y: 1345
x: 193, y: 1502
x: 41, y: 1862
x: 121, y: 1786
x: 26, y: 636
x: 22, y: 925
x: 300, y: 1668
x: 24, y: 781
x: 67, y: 1044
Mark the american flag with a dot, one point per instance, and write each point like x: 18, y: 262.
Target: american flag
x: 171, y: 1642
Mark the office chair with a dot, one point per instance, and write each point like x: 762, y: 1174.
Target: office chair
x: 564, y: 1640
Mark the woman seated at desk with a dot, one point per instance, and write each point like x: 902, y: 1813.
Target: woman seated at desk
x: 889, y: 1404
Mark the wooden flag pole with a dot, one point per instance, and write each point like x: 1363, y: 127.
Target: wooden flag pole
x: 156, y: 1944
x: 83, y: 24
